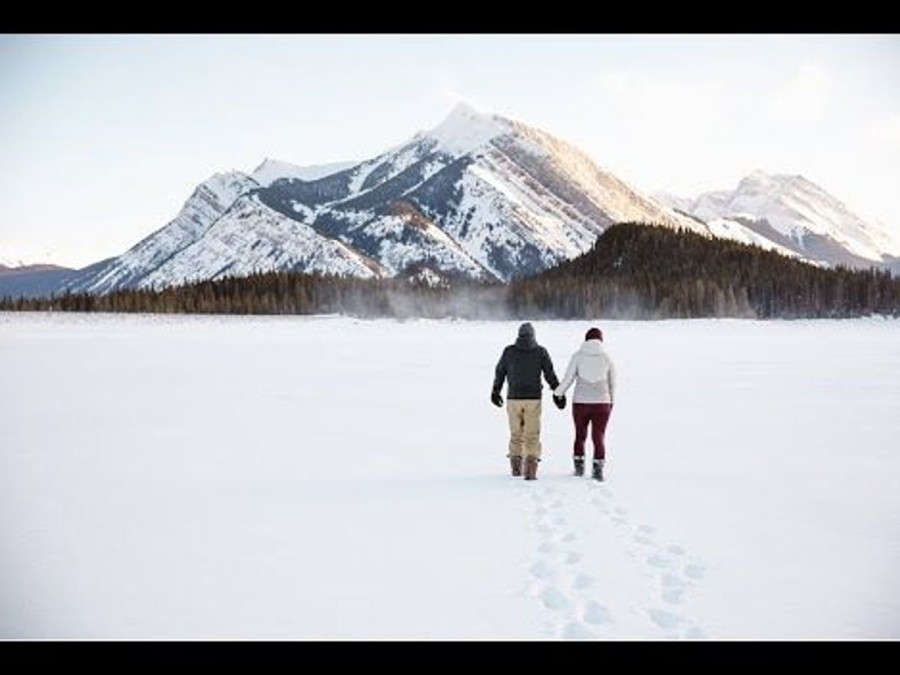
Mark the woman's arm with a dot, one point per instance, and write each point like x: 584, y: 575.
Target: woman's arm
x: 569, y: 377
x: 611, y: 378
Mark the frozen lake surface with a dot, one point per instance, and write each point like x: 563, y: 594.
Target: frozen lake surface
x: 325, y: 477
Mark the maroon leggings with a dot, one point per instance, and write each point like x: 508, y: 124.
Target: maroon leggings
x: 597, y: 415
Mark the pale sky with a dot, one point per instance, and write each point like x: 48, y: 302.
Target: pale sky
x: 104, y: 137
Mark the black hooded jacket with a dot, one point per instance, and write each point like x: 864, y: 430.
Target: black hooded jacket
x: 521, y: 365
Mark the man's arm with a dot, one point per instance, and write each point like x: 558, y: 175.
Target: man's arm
x: 547, y: 367
x: 499, y: 374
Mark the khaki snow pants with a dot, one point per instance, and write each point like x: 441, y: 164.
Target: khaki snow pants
x: 524, y: 427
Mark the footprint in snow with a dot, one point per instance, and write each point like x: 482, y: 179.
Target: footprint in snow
x: 595, y: 613
x: 602, y: 490
x: 544, y: 528
x: 547, y: 547
x: 582, y: 581
x: 554, y: 599
x: 604, y: 509
x: 543, y: 570
x: 663, y: 618
x: 694, y: 571
x: 575, y: 630
x: 694, y: 633
x: 671, y: 581
x: 672, y: 595
x: 657, y: 561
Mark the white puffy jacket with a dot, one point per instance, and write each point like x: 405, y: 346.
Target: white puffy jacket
x: 593, y: 373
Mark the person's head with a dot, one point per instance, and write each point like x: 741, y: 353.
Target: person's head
x: 594, y: 334
x: 526, y: 330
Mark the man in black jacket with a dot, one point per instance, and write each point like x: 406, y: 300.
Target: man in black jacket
x: 521, y: 365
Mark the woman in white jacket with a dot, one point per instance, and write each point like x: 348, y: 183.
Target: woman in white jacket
x: 595, y: 380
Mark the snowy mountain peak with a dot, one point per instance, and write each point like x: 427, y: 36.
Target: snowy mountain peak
x: 273, y: 169
x: 464, y: 110
x: 792, y: 211
x: 756, y: 180
x: 226, y: 187
x: 759, y: 180
x: 465, y: 129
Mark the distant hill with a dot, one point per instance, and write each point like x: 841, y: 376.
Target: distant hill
x: 646, y: 271
x: 31, y: 281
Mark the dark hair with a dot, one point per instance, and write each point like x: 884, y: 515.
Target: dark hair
x: 594, y: 334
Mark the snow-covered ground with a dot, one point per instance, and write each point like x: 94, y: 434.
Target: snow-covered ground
x: 285, y: 477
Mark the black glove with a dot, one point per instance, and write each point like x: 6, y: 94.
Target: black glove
x: 497, y: 399
x: 560, y: 401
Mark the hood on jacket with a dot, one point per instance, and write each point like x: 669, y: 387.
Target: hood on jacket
x: 590, y: 369
x: 591, y: 347
x: 526, y: 339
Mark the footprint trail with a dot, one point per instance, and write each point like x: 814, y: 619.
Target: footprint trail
x: 566, y: 588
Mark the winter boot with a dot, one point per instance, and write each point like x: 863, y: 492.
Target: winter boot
x: 515, y: 463
x: 579, y: 466
x: 598, y: 470
x: 531, y: 464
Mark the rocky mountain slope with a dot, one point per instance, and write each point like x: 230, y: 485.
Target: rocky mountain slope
x: 479, y: 196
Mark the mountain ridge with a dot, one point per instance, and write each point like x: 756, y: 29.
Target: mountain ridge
x: 479, y: 196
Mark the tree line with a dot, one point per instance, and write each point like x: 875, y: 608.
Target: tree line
x: 633, y: 271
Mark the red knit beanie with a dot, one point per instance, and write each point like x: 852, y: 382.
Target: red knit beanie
x: 594, y: 334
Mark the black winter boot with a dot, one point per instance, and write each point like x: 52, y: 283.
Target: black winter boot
x: 531, y: 465
x: 515, y: 463
x: 598, y: 470
x: 579, y: 466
